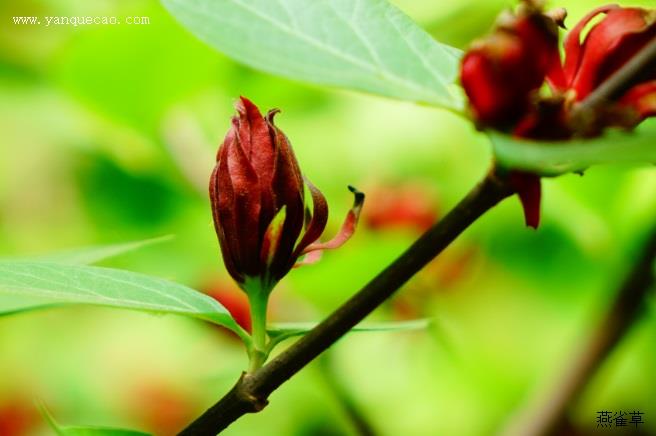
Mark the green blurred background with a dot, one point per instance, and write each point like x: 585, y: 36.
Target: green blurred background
x: 108, y: 134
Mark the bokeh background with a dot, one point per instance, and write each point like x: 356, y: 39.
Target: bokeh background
x: 108, y: 134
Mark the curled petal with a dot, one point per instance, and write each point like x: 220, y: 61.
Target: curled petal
x: 348, y: 227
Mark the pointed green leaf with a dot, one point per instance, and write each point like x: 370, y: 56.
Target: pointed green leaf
x: 555, y: 158
x: 30, y: 285
x: 366, y: 45
x: 90, y: 255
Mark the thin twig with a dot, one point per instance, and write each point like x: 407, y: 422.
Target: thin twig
x: 548, y: 414
x: 252, y: 390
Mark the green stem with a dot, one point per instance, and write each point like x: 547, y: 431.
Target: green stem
x: 258, y: 301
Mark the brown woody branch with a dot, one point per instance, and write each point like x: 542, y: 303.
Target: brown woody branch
x: 252, y: 390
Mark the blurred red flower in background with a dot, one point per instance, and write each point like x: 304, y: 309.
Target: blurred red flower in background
x: 18, y: 416
x: 163, y: 409
x: 404, y: 206
x: 233, y: 299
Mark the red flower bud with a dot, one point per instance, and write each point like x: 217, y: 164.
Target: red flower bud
x: 609, y: 44
x: 501, y: 72
x: 258, y: 201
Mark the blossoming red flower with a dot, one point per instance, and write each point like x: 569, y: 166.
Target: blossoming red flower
x: 502, y: 75
x: 258, y: 202
x: 608, y: 45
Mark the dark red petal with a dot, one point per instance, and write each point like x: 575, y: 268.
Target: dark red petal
x: 256, y: 140
x: 539, y: 36
x: 572, y: 43
x: 348, y: 227
x: 288, y: 188
x: 639, y: 30
x: 261, y: 150
x: 500, y: 72
x: 556, y: 74
x: 609, y: 44
x: 222, y: 199
x: 317, y: 222
x: 245, y: 208
x: 492, y: 101
x: 528, y: 189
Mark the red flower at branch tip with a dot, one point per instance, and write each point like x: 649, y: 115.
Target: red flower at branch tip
x: 502, y: 75
x: 260, y: 212
x: 609, y: 44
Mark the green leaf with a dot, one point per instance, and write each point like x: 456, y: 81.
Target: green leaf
x: 94, y: 254
x: 555, y: 158
x: 28, y: 285
x: 366, y: 45
x: 61, y: 430
x: 281, y: 331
